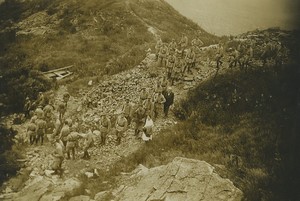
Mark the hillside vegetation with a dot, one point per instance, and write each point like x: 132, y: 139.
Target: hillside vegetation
x: 97, y: 37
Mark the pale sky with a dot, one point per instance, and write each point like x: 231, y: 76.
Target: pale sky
x: 224, y: 17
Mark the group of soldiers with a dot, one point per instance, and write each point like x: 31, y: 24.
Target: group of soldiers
x: 66, y: 133
x: 178, y: 59
x: 244, y: 55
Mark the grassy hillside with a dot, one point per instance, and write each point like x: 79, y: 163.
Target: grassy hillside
x: 97, y: 37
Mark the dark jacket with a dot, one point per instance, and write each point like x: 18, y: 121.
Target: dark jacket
x: 169, y: 98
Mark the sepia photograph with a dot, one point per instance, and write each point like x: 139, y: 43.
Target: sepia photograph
x: 149, y: 100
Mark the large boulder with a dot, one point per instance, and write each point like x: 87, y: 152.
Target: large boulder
x: 182, y: 179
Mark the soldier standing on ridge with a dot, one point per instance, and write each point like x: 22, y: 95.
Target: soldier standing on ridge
x: 158, y: 45
x: 62, y: 107
x: 184, y: 41
x: 39, y: 112
x: 72, y: 139
x: 190, y: 59
x: 159, y: 102
x: 162, y: 55
x: 40, y: 130
x: 121, y: 126
x: 149, y: 107
x: 139, y: 119
x: 177, y: 71
x: 127, y: 109
x: 170, y: 65
x: 219, y: 56
x: 105, y: 127
x: 65, y: 131
x: 88, y: 143
x: 172, y: 46
x: 58, y: 155
x: 144, y: 95
x: 31, y: 130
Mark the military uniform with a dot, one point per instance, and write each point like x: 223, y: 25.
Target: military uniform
x: 127, y: 109
x: 139, y: 118
x: 40, y: 130
x: 190, y: 59
x: 58, y: 158
x: 158, y: 45
x: 170, y: 65
x: 39, y: 113
x: 65, y: 131
x: 162, y: 56
x: 31, y: 132
x: 62, y: 108
x: 177, y: 71
x: 121, y: 127
x: 72, y: 139
x: 105, y: 126
x: 88, y: 143
x: 159, y: 103
x: 144, y: 95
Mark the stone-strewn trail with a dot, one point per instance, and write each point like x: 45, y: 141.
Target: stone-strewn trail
x: 106, y: 96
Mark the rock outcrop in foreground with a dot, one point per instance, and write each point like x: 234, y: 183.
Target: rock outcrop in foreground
x: 182, y: 179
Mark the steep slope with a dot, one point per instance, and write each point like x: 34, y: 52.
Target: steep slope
x: 96, y: 37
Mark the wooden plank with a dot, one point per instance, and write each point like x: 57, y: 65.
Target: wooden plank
x: 58, y: 69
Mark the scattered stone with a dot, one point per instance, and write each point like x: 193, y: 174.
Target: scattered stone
x: 80, y: 198
x: 87, y: 191
x: 49, y: 173
x: 89, y: 174
x: 101, y: 196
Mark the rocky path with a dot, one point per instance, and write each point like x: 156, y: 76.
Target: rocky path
x: 106, y: 96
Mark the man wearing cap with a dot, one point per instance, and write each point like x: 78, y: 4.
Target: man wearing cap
x: 149, y: 107
x: 158, y: 45
x: 169, y: 96
x: 162, y: 55
x: 31, y: 130
x: 65, y: 131
x: 88, y: 143
x: 177, y: 71
x: 183, y: 41
x: 39, y: 112
x: 159, y: 102
x: 172, y: 46
x: 121, y: 126
x: 139, y: 118
x: 144, y: 95
x: 40, y: 130
x: 127, y: 109
x: 190, y: 59
x: 62, y: 107
x: 58, y: 155
x: 72, y: 139
x: 105, y: 126
x: 170, y: 64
